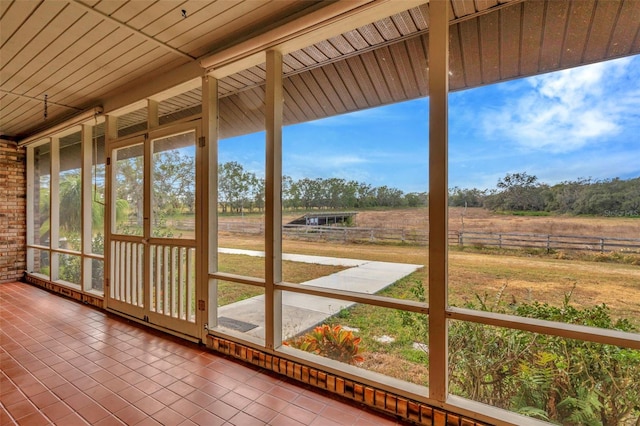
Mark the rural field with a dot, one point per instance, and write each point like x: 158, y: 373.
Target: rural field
x: 513, y: 276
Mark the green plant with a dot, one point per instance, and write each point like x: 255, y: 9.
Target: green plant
x: 331, y: 342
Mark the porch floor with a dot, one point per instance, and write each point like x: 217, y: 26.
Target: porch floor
x: 69, y: 364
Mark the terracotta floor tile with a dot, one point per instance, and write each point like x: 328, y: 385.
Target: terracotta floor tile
x: 167, y: 416
x: 243, y: 419
x: 282, y: 420
x: 92, y: 368
x: 260, y: 412
x: 222, y: 409
x: 57, y: 410
x: 206, y: 418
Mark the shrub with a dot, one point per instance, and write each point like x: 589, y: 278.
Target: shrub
x: 561, y: 380
x: 331, y: 342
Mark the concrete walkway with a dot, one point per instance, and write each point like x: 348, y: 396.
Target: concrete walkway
x: 301, y: 312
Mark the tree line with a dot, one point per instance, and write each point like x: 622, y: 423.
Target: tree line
x: 523, y: 192
x: 241, y: 190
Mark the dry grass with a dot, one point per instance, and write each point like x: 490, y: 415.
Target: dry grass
x: 481, y: 220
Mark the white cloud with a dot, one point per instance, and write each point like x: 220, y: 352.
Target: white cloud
x: 567, y: 110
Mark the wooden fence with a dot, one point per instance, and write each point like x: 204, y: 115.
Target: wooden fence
x: 508, y: 240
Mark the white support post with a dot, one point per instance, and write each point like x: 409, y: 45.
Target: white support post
x: 153, y: 114
x: 54, y: 209
x: 110, y: 134
x: 30, y: 207
x: 209, y: 201
x: 438, y: 182
x: 86, y: 150
x: 273, y: 201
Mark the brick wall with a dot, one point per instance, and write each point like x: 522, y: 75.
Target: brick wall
x: 13, y: 213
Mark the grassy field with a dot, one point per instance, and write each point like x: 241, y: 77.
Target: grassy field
x: 514, y: 276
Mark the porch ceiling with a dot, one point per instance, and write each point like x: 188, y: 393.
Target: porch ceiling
x: 79, y: 53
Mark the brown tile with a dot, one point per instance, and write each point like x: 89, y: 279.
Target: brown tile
x: 149, y: 405
x: 206, y: 418
x: 57, y: 410
x: 222, y: 409
x: 21, y: 409
x: 93, y: 412
x: 298, y: 413
x: 282, y: 420
x: 243, y: 419
x: 130, y: 415
x: 34, y: 419
x: 185, y: 407
x: 167, y: 416
x: 337, y: 415
x: 261, y: 412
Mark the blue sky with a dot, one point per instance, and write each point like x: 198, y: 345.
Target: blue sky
x: 577, y: 123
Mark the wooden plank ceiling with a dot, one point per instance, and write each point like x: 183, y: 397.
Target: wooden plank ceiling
x: 76, y: 53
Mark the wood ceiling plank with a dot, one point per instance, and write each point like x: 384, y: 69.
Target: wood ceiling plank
x: 323, y: 81
x: 28, y: 62
x: 291, y: 63
x: 553, y: 35
x: 235, y: 114
x: 463, y: 7
x: 338, y: 85
x: 24, y: 34
x: 296, y: 101
x: 318, y: 93
x: 627, y: 27
x: 489, y: 25
x: 485, y: 4
x: 352, y: 84
x: 404, y: 23
x: 510, y: 41
x: 456, y: 65
x: 371, y: 35
x: 404, y: 69
x: 153, y: 13
x: 364, y: 80
x: 131, y: 10
x: 87, y: 56
x: 329, y: 50
x: 174, y: 17
x: 356, y: 40
x: 471, y: 52
x: 305, y: 99
x: 120, y: 66
x: 197, y: 24
x: 153, y: 61
x: 227, y: 26
x: 108, y: 6
x: 532, y: 21
x: 303, y: 58
x: 316, y: 54
x: 580, y: 19
x: 370, y: 61
x: 13, y: 18
x: 417, y: 47
x: 339, y: 43
x: 291, y: 113
x: 420, y: 16
x: 387, y: 29
x: 95, y: 59
x: 600, y: 32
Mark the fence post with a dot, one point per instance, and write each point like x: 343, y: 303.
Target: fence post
x: 499, y: 240
x: 460, y: 239
x: 601, y: 245
x: 548, y: 243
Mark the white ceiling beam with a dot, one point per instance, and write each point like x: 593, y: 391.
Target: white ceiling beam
x: 317, y: 26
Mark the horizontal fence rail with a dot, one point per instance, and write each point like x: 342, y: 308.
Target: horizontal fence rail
x: 507, y: 240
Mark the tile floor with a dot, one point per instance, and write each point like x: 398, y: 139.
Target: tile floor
x: 69, y: 364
